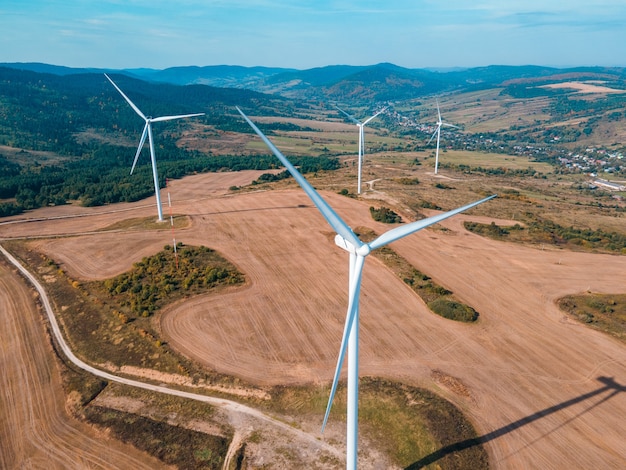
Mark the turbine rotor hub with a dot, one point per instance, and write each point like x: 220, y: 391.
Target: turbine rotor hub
x: 362, y: 250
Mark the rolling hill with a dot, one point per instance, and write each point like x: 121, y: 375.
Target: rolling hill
x: 67, y: 133
x: 378, y: 82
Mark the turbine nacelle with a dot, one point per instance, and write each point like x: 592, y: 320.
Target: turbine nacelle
x: 361, y: 126
x: 147, y: 134
x: 361, y: 250
x: 347, y: 240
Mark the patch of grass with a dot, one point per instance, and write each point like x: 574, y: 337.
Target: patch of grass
x: 438, y: 299
x: 407, y: 181
x: 406, y: 423
x: 81, y: 386
x: 385, y: 215
x: 149, y: 223
x: 162, y: 406
x: 487, y: 160
x: 168, y: 276
x: 541, y: 231
x: 453, y: 310
x: 604, y: 312
x: 95, y: 324
x: 173, y: 445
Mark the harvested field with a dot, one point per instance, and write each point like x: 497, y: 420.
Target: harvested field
x: 35, y: 429
x: 543, y: 390
x: 584, y: 87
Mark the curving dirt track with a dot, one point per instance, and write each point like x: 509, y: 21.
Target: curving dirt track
x: 543, y: 391
x: 35, y: 429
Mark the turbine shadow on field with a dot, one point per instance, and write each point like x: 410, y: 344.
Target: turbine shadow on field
x: 609, y: 385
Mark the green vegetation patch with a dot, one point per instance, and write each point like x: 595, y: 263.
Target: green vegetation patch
x: 149, y: 223
x: 493, y: 163
x: 605, y: 312
x: 100, y: 329
x: 411, y: 425
x: 407, y: 181
x: 438, y: 299
x: 453, y: 310
x: 385, y: 215
x: 173, y: 445
x: 417, y: 427
x: 542, y: 231
x: 170, y: 275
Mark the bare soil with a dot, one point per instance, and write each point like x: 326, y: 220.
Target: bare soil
x: 36, y: 431
x: 544, y: 391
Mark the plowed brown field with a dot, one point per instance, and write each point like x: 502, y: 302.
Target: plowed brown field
x: 544, y: 392
x: 35, y: 429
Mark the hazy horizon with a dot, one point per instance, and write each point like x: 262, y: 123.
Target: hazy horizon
x: 432, y: 69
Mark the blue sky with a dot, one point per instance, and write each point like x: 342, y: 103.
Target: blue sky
x: 306, y: 34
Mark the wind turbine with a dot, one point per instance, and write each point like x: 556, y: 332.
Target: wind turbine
x: 147, y: 132
x: 358, y: 250
x: 438, y: 132
x: 360, y: 125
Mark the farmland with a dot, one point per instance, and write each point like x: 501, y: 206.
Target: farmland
x: 525, y: 385
x: 261, y: 335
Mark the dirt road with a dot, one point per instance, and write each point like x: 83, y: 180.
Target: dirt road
x: 35, y: 429
x: 544, y: 392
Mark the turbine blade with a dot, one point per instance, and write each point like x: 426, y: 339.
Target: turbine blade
x: 368, y: 120
x: 352, y: 118
x: 404, y: 230
x: 132, y: 105
x: 432, y: 136
x: 438, y: 112
x: 169, y: 118
x: 353, y: 306
x: 141, y: 142
x: 329, y: 214
x: 449, y: 125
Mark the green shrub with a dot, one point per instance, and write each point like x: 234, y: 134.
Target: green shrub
x: 453, y: 310
x: 385, y: 215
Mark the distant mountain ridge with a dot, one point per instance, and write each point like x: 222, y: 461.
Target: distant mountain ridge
x: 379, y: 82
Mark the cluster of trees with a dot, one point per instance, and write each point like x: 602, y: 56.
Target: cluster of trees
x: 103, y: 178
x: 385, y: 215
x: 49, y: 113
x: 41, y: 111
x: 168, y: 275
x: 453, y: 310
x: 439, y: 299
x: 547, y: 231
x: 499, y: 171
x: 526, y: 91
x: 491, y: 230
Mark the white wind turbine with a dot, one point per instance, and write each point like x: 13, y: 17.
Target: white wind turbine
x: 358, y: 250
x: 360, y: 125
x: 147, y: 132
x: 438, y: 132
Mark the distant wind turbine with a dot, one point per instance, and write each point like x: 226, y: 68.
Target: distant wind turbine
x: 360, y: 125
x: 438, y: 132
x: 358, y: 250
x: 147, y: 132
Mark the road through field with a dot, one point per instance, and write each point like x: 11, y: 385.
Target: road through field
x: 544, y: 391
x: 35, y: 429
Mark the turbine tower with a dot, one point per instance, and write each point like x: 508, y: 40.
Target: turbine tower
x: 438, y: 132
x: 360, y: 125
x: 358, y: 250
x: 147, y: 132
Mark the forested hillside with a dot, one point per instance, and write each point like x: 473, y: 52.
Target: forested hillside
x: 90, y: 133
x: 68, y: 136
